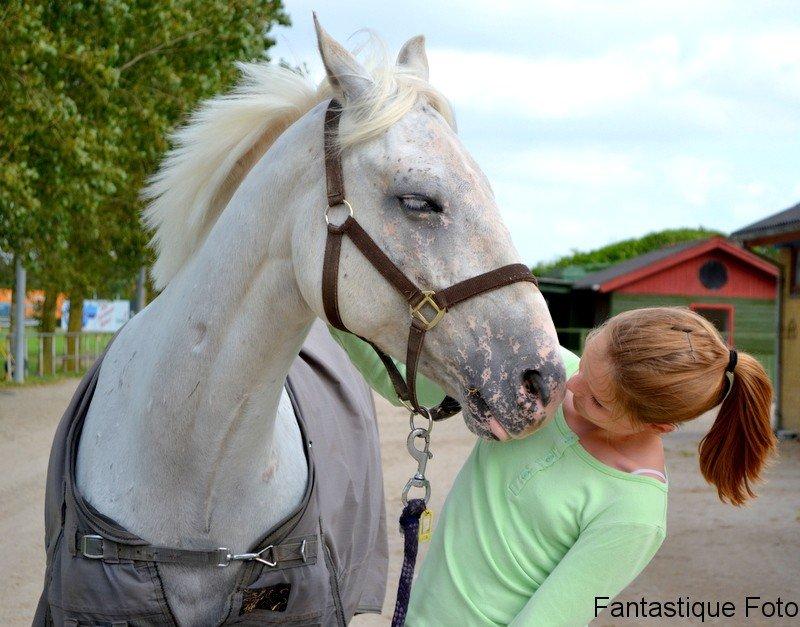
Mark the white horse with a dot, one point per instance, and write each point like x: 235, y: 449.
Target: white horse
x: 190, y: 439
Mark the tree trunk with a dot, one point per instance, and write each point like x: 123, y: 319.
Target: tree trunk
x: 47, y: 326
x: 73, y: 328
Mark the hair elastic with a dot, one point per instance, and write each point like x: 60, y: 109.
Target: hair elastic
x: 733, y: 359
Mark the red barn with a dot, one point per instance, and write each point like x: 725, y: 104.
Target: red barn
x: 730, y: 286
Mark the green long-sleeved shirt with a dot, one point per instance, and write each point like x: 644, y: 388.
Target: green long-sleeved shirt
x: 532, y: 530
x: 367, y: 362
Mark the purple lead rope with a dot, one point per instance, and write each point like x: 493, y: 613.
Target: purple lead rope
x: 409, y: 525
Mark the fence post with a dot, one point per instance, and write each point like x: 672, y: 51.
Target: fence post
x: 40, y: 356
x: 20, y: 346
x: 7, y: 353
x: 76, y: 352
x: 141, y: 285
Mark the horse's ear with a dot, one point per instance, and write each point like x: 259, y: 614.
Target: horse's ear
x: 412, y: 57
x: 345, y: 74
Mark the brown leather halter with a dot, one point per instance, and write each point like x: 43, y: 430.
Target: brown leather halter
x: 426, y: 306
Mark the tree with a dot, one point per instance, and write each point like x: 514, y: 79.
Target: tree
x: 620, y: 251
x: 89, y: 92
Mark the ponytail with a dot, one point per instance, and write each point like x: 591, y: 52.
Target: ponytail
x: 738, y: 446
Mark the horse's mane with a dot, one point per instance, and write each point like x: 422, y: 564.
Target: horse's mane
x: 227, y: 134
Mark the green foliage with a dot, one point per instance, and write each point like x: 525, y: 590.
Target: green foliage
x: 89, y: 92
x: 578, y: 263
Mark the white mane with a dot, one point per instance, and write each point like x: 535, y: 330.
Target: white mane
x: 227, y: 134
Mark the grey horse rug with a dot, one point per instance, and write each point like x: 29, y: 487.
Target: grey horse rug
x: 322, y: 564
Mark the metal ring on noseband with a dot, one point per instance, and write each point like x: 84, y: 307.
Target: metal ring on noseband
x: 344, y: 202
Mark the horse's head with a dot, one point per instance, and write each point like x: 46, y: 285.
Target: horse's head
x: 416, y: 190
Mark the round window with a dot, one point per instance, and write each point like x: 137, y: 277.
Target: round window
x: 713, y: 274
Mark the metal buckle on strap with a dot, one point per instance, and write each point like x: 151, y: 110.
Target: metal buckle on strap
x: 91, y: 546
x: 416, y: 310
x: 249, y: 557
x: 225, y: 557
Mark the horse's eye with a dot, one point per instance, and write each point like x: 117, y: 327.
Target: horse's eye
x: 418, y: 204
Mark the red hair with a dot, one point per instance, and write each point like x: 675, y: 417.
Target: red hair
x: 668, y: 365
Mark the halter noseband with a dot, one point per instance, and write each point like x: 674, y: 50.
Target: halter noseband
x: 426, y: 307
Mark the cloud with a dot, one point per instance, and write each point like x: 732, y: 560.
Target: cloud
x: 695, y: 178
x: 583, y: 166
x: 713, y: 81
x: 539, y: 88
x: 597, y: 121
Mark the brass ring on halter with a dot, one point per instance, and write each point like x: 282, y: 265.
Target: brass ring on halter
x: 344, y: 202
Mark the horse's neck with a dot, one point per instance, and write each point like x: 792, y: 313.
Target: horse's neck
x: 181, y: 442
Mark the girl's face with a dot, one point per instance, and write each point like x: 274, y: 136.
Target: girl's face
x: 593, y: 390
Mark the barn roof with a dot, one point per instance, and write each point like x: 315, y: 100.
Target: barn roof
x: 783, y: 222
x: 614, y: 277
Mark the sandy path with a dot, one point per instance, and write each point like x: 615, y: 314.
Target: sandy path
x: 713, y: 552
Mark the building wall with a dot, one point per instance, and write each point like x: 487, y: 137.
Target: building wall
x: 33, y: 301
x: 790, y: 351
x: 754, y: 320
x: 744, y: 280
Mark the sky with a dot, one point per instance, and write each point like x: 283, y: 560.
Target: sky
x: 599, y: 120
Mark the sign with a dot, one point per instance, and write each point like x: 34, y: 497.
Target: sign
x: 100, y: 315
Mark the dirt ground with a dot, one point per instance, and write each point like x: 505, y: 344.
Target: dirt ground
x: 713, y: 552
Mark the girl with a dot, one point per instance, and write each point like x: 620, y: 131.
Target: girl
x: 535, y: 530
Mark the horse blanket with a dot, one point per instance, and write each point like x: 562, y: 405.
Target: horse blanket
x: 328, y: 558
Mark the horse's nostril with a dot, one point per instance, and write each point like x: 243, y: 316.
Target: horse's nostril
x: 534, y: 385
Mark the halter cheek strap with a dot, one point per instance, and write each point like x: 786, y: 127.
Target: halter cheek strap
x: 426, y: 307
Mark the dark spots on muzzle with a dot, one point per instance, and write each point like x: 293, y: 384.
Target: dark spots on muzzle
x: 513, y: 387
x: 477, y: 405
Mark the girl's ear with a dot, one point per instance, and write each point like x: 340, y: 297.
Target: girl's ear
x: 662, y: 428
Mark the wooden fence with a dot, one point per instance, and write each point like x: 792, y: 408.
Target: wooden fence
x: 49, y: 354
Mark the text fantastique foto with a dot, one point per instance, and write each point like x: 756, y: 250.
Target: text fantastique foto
x: 752, y: 607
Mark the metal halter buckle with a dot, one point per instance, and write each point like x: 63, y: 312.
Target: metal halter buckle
x: 416, y: 310
x: 92, y: 547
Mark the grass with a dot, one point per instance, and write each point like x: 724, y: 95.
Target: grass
x: 34, y: 380
x: 91, y: 345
